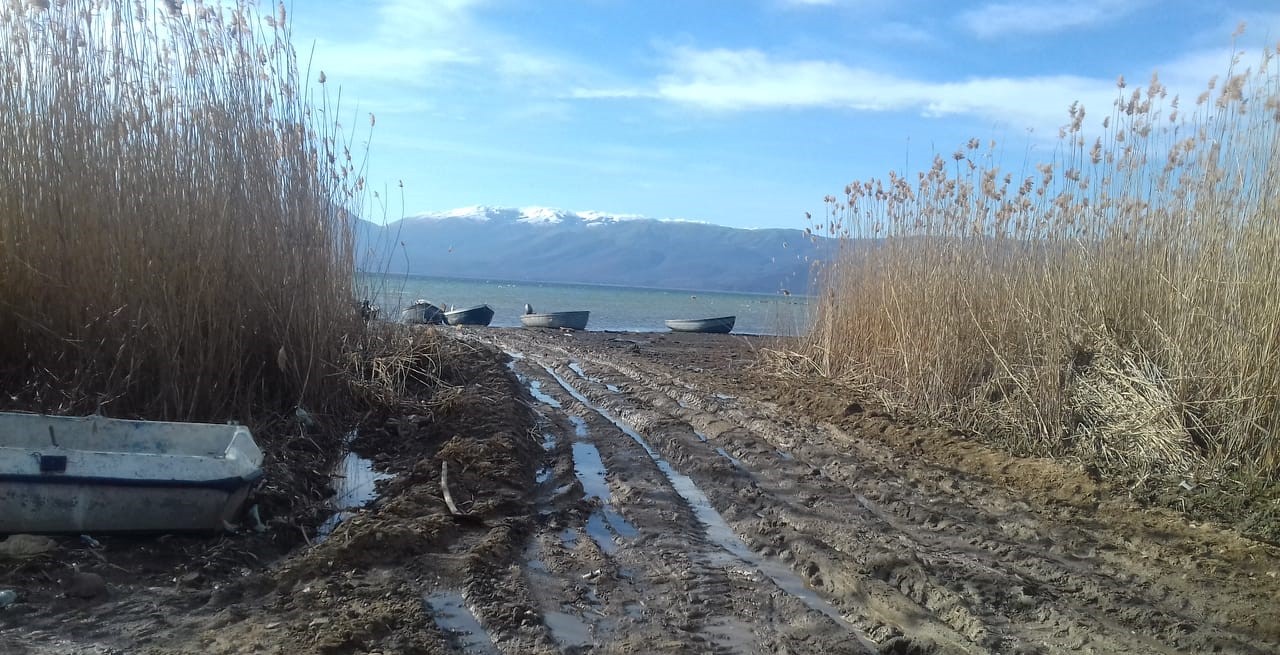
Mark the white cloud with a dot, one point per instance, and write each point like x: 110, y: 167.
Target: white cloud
x: 385, y: 61
x: 724, y: 80
x: 415, y: 43
x: 737, y: 80
x: 414, y: 19
x: 1043, y: 16
x: 618, y: 93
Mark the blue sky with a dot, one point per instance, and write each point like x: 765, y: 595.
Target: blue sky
x: 743, y: 113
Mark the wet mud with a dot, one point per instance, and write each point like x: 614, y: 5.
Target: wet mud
x: 663, y: 494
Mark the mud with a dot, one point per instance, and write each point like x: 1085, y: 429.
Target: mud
x: 661, y: 494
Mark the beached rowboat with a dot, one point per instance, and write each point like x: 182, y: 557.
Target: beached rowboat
x: 570, y: 320
x: 478, y: 315
x: 422, y: 312
x: 94, y: 474
x: 721, y: 325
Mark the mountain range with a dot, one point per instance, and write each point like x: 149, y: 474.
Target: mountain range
x: 539, y: 244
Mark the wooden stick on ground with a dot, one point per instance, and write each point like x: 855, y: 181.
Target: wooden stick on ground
x: 444, y: 487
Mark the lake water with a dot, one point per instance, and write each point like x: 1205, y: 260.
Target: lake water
x: 612, y: 308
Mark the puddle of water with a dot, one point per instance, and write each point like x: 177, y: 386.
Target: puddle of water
x: 605, y: 522
x: 568, y: 630
x: 701, y: 437
x: 533, y: 557
x: 725, y: 454
x: 579, y: 426
x: 786, y: 455
x: 717, y: 529
x: 577, y: 368
x: 548, y: 445
x: 591, y: 470
x: 600, y: 533
x: 535, y: 389
x: 353, y: 482
x: 620, y: 525
x: 453, y: 617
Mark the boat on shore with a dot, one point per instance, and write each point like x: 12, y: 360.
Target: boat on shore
x: 567, y: 320
x: 719, y: 325
x: 422, y: 312
x: 477, y: 315
x: 92, y: 474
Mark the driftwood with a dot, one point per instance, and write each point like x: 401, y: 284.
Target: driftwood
x: 444, y: 487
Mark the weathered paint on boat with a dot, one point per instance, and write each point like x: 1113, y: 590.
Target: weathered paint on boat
x: 422, y: 312
x: 570, y: 320
x: 96, y: 474
x: 477, y: 315
x: 721, y: 325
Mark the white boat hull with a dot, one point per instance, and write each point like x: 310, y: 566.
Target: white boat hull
x: 567, y: 320
x: 720, y: 325
x: 96, y: 475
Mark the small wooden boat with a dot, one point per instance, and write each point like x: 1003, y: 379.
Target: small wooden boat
x: 569, y: 320
x: 94, y: 474
x: 422, y: 312
x: 478, y: 315
x: 721, y: 325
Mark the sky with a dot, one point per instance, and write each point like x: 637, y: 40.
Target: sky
x: 744, y: 113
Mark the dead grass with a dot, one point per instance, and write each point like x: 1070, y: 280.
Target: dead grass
x: 174, y: 238
x: 1118, y: 303
x: 402, y: 369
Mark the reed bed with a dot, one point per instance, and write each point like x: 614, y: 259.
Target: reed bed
x: 174, y: 235
x: 1119, y: 302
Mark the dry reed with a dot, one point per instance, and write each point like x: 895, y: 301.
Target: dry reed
x: 174, y: 241
x: 1117, y: 303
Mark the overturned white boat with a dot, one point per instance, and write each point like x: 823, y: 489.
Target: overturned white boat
x: 96, y: 474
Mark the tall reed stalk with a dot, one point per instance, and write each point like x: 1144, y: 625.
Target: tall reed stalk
x: 1120, y: 302
x: 174, y: 238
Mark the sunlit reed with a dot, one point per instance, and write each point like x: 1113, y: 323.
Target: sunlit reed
x: 174, y: 228
x: 1119, y: 302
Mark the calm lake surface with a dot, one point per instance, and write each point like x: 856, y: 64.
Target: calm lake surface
x: 612, y: 308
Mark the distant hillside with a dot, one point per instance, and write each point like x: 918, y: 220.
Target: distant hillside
x: 549, y: 245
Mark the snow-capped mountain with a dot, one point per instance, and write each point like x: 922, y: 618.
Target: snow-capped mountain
x: 531, y: 215
x: 542, y: 244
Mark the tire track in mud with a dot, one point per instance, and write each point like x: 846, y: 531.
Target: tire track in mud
x: 715, y: 528
x: 724, y: 465
x: 676, y: 582
x: 919, y: 559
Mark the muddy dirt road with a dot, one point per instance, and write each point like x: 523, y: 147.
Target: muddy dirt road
x: 650, y: 493
x: 745, y: 527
